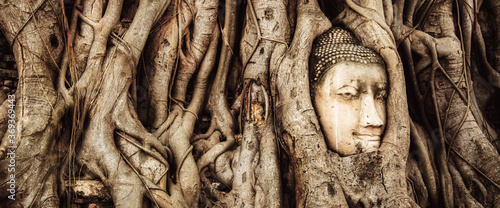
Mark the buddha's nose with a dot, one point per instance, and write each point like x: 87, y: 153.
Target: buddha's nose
x: 369, y: 114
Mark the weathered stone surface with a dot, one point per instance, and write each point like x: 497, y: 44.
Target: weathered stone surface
x: 88, y: 189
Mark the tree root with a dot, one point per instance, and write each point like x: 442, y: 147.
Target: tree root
x: 426, y: 164
x: 223, y: 169
x: 61, y: 87
x: 203, y: 145
x: 493, y: 75
x: 109, y: 105
x: 133, y: 127
x: 295, y: 117
x: 217, y: 101
x: 3, y: 129
x: 251, y: 169
x: 464, y: 199
x: 209, y: 188
x: 166, y: 125
x: 38, y: 108
x: 204, y: 25
x: 445, y: 178
x: 416, y: 183
x: 178, y: 127
x: 214, y: 152
x: 205, y: 135
x: 162, y: 60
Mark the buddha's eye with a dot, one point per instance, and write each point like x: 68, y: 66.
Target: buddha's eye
x: 381, y: 95
x: 347, y: 92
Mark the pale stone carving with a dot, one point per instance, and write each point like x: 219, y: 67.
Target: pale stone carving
x: 349, y: 89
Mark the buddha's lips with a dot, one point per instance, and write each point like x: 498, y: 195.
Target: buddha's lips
x: 374, y: 136
x: 369, y: 138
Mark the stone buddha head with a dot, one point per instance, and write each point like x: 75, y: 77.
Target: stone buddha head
x: 349, y: 90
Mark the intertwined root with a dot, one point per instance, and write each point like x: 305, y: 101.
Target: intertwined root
x: 133, y: 127
x: 462, y: 131
x: 126, y: 185
x: 110, y: 109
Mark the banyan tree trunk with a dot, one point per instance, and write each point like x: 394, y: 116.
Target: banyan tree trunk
x: 37, y: 41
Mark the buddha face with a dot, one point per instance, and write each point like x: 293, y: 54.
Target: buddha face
x: 350, y: 102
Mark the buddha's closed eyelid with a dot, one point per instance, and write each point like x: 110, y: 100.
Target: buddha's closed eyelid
x: 347, y: 92
x: 353, y: 85
x: 381, y: 94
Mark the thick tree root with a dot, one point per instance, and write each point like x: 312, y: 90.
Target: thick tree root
x: 462, y: 129
x: 426, y: 166
x: 217, y: 102
x: 373, y: 33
